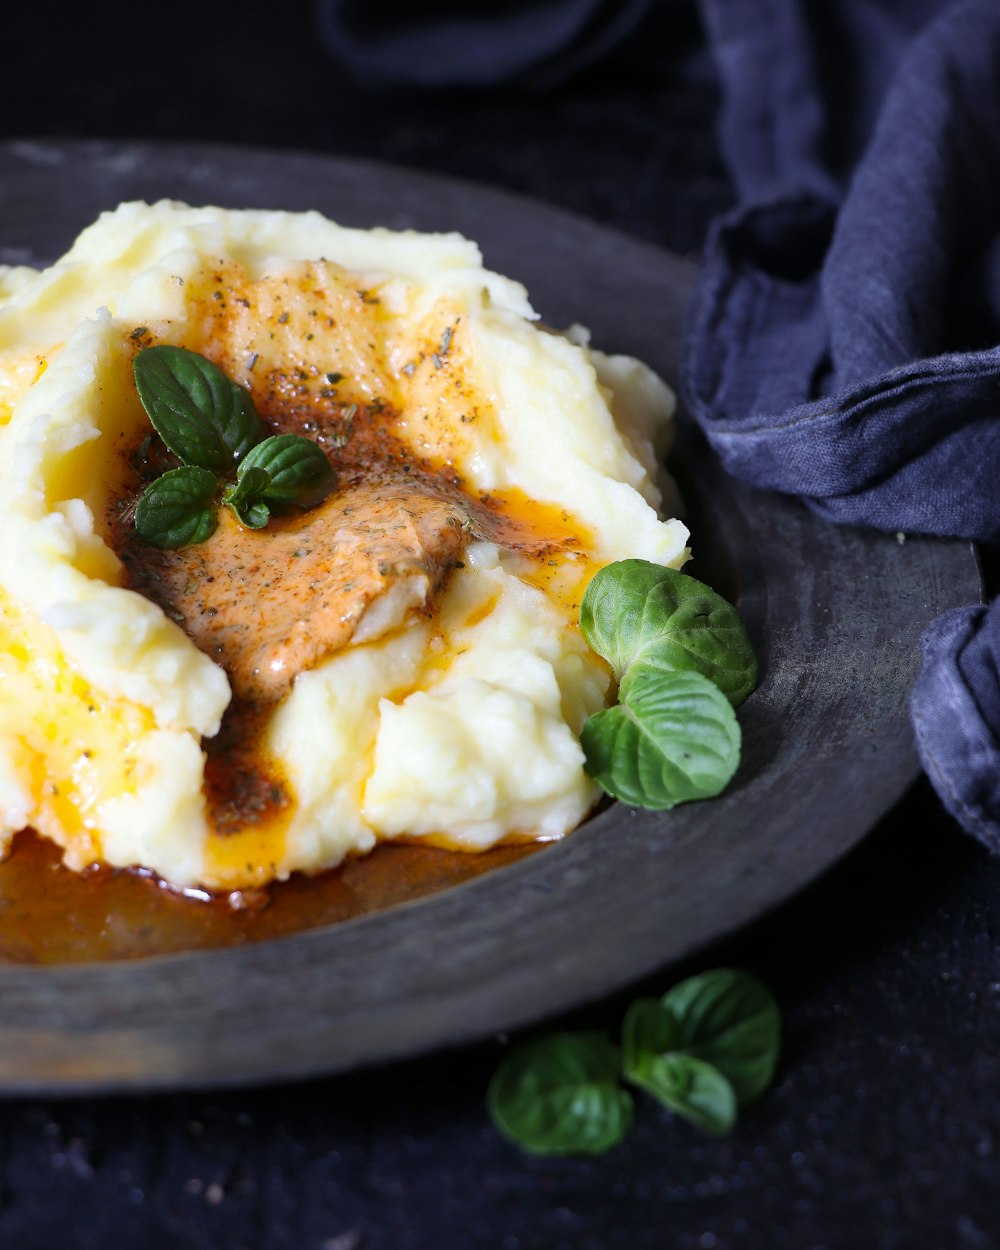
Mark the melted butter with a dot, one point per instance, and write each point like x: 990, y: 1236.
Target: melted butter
x: 18, y: 373
x: 285, y: 336
x: 76, y: 744
x: 248, y: 799
x: 515, y: 840
x: 481, y: 611
x: 551, y: 541
x: 249, y: 857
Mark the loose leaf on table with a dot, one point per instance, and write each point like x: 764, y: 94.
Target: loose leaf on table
x: 561, y: 1095
x: 247, y: 497
x: 203, y: 417
x: 654, y: 1060
x: 674, y: 737
x: 729, y: 1019
x: 298, y: 469
x: 178, y: 508
x: 706, y: 1046
x: 636, y: 611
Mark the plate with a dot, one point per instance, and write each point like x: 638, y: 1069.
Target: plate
x: 836, y: 615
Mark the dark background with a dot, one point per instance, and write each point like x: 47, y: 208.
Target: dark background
x: 882, y: 1128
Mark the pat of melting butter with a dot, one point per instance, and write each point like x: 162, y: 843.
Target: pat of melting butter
x: 455, y: 719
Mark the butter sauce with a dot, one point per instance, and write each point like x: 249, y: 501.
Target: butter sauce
x: 268, y: 604
x: 51, y: 915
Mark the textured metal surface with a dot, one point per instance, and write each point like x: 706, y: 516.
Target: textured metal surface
x: 836, y: 614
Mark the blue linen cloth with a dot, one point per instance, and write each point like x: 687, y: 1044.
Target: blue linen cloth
x: 844, y: 339
x: 451, y: 43
x: 843, y: 342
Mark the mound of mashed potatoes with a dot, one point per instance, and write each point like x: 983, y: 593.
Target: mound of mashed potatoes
x: 401, y: 661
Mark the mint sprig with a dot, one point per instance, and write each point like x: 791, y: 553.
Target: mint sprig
x: 683, y: 660
x: 729, y: 1019
x: 210, y: 423
x: 683, y: 1083
x: 298, y: 469
x: 704, y: 1049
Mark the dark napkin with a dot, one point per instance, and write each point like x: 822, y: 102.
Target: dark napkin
x: 843, y: 339
x: 452, y: 43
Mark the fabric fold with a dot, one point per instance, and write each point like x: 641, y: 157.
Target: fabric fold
x: 443, y: 44
x: 823, y: 359
x: 844, y: 338
x: 954, y: 706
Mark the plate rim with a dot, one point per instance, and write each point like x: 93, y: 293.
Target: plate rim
x: 43, y: 995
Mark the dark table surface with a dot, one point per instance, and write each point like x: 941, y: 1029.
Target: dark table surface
x: 883, y: 1126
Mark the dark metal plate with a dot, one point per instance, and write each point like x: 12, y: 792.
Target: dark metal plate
x: 836, y: 614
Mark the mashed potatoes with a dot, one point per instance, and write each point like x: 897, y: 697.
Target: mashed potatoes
x: 450, y: 706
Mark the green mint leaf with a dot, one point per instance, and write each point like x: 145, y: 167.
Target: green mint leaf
x: 636, y: 611
x: 253, y: 515
x: 561, y: 1095
x: 298, y: 469
x: 729, y: 1019
x: 672, y: 738
x: 247, y: 497
x: 201, y: 415
x: 178, y: 509
x: 647, y: 1030
x: 654, y: 1060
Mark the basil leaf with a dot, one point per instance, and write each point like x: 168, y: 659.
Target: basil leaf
x: 729, y: 1019
x: 246, y: 498
x: 636, y: 611
x: 298, y: 469
x: 560, y: 1095
x: 654, y: 1060
x: 201, y: 415
x: 177, y: 509
x: 672, y: 738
